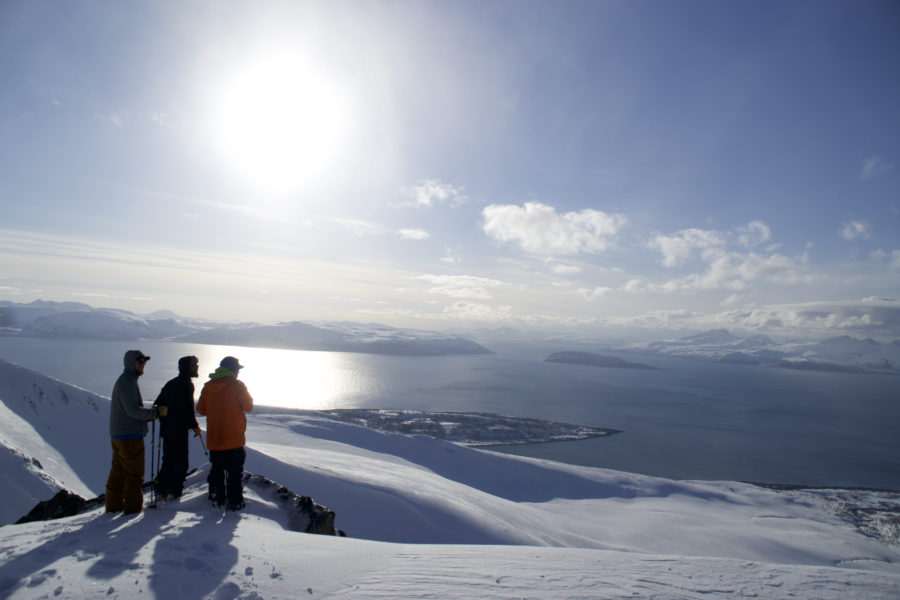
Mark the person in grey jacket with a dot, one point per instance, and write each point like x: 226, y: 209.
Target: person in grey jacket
x: 127, y: 427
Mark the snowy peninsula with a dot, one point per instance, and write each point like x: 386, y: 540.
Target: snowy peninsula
x: 573, y: 357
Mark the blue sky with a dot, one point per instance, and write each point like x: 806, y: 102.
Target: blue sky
x: 560, y: 165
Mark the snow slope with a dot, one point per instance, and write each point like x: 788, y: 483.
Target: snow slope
x: 426, y: 518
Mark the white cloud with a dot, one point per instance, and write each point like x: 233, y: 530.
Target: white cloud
x: 119, y: 118
x: 881, y: 317
x: 681, y: 247
x: 462, y: 286
x: 566, y: 269
x: 634, y: 286
x: 428, y: 192
x: 855, y: 229
x: 451, y: 256
x: 469, y: 311
x: 538, y: 228
x: 722, y: 267
x: 753, y: 234
x: 413, y: 234
x: 161, y: 119
x: 736, y: 272
x: 874, y: 166
x: 595, y: 293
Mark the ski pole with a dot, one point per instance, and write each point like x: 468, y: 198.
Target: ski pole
x: 202, y: 443
x: 153, y: 464
x: 159, y: 451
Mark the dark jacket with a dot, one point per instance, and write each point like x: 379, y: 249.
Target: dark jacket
x: 127, y: 415
x: 178, y: 395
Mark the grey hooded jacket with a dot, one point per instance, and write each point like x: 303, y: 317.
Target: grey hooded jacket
x: 127, y: 416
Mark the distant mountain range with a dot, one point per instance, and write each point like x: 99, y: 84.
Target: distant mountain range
x: 841, y: 353
x: 81, y: 321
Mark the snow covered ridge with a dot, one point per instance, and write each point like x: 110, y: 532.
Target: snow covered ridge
x: 471, y: 429
x: 427, y: 518
x: 841, y: 353
x: 74, y: 320
x: 344, y: 337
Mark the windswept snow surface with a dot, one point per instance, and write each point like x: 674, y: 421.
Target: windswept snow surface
x: 428, y: 518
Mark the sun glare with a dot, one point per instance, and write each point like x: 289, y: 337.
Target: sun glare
x: 281, y: 120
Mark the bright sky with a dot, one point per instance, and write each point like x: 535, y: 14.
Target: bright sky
x: 453, y: 164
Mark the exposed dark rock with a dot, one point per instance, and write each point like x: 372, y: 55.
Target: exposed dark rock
x: 63, y: 504
x: 304, y: 514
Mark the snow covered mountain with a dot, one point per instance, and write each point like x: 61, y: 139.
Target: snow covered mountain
x: 343, y: 337
x: 73, y: 320
x: 425, y: 518
x: 841, y: 353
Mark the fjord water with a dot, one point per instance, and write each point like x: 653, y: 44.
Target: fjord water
x: 684, y: 420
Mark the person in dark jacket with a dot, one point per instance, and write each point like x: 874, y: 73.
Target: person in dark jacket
x: 178, y: 396
x: 127, y: 428
x: 223, y: 401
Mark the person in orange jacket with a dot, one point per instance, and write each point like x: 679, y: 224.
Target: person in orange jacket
x: 223, y: 401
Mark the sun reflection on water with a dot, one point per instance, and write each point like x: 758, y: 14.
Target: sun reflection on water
x: 289, y: 378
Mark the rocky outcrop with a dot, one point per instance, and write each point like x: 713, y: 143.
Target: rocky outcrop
x: 63, y: 504
x: 304, y: 514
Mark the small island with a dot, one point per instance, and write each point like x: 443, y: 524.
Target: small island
x: 594, y: 360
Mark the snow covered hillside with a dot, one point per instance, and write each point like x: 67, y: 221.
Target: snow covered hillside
x: 425, y: 518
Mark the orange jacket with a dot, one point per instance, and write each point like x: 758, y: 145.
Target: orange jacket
x: 223, y: 401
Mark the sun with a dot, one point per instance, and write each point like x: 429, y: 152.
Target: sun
x: 280, y: 120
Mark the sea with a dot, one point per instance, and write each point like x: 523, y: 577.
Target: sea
x: 684, y: 419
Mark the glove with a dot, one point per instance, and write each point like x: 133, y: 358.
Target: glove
x: 162, y: 410
x: 197, y: 431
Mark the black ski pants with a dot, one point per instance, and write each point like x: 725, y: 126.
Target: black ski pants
x: 226, y: 473
x: 174, y: 465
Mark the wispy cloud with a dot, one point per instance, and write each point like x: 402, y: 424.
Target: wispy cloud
x: 874, y: 166
x: 853, y: 230
x: 539, y: 229
x: 462, y: 286
x: 561, y: 269
x: 753, y: 234
x: 451, y: 256
x: 161, y: 119
x: 892, y: 259
x: 686, y: 244
x: 413, y: 234
x: 118, y: 118
x: 720, y: 260
x: 428, y: 192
